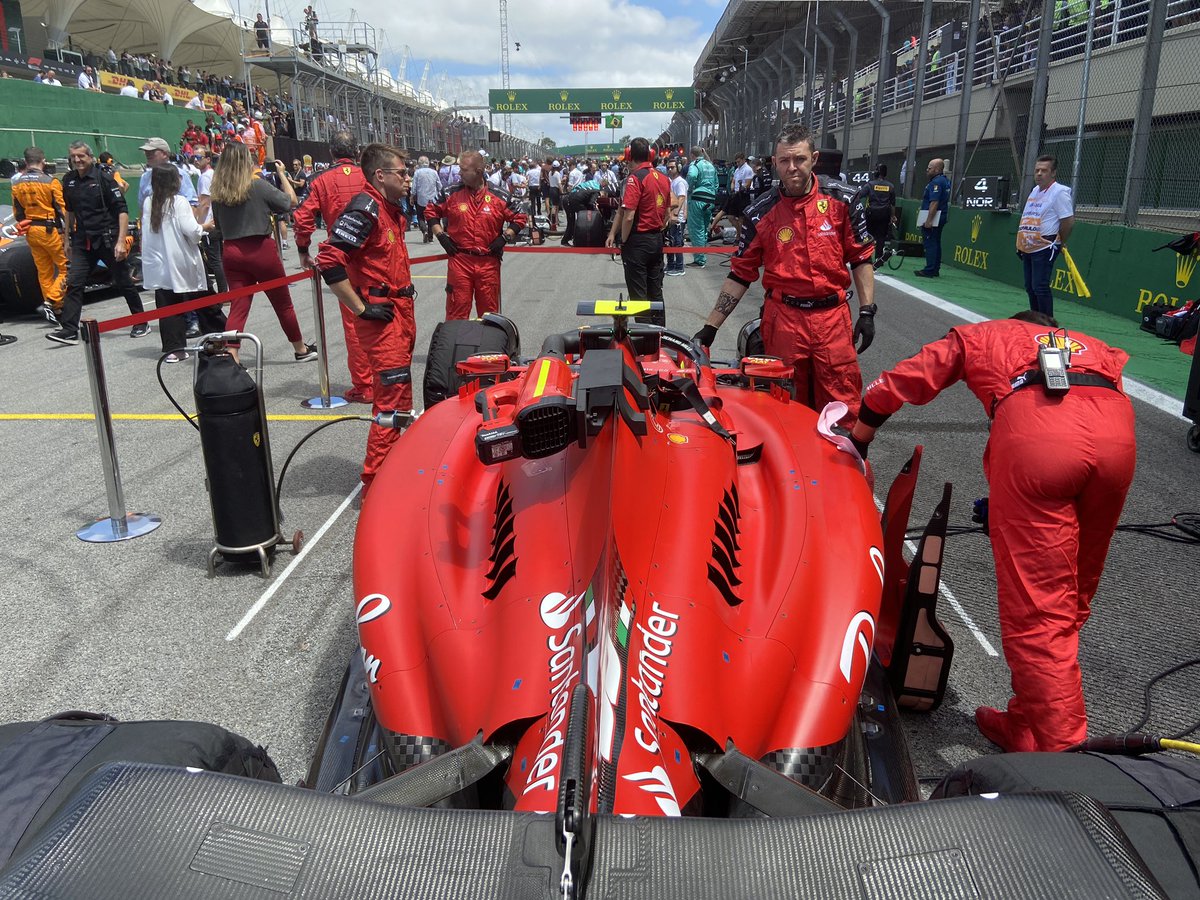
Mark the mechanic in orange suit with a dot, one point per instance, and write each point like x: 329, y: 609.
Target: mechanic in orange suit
x: 365, y: 263
x: 1059, y: 466
x: 328, y: 194
x: 38, y: 199
x: 477, y: 215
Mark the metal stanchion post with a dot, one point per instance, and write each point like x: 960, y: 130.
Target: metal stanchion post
x: 120, y: 525
x: 324, y: 401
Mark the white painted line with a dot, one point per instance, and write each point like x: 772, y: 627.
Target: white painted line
x: 952, y: 600
x: 1163, y: 402
x: 283, y: 576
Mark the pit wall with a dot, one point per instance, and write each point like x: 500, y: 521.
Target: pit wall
x: 1118, y: 264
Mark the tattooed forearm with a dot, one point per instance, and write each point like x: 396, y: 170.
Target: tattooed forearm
x: 726, y: 303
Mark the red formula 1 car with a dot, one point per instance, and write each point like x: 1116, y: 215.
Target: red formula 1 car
x: 630, y: 628
x: 620, y: 543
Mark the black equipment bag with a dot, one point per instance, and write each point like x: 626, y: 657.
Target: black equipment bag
x: 1154, y: 798
x: 41, y: 763
x: 454, y: 341
x: 1151, y: 315
x: 589, y: 229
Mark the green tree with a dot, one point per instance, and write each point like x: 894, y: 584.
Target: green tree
x: 547, y: 143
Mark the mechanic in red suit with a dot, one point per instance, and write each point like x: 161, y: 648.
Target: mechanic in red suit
x: 365, y: 263
x: 1059, y: 467
x: 477, y: 218
x: 803, y: 235
x: 328, y: 194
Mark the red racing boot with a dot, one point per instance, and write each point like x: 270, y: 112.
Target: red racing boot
x: 1003, y: 730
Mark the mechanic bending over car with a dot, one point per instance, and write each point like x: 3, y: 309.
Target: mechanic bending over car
x: 365, y: 263
x: 38, y: 201
x: 1059, y: 461
x: 803, y: 234
x: 98, y: 226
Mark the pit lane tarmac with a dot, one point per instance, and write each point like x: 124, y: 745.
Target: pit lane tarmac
x: 137, y: 630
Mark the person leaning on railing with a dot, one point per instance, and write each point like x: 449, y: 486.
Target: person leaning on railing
x: 242, y: 206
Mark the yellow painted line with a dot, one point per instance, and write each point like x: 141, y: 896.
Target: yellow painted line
x: 543, y: 377
x: 142, y: 417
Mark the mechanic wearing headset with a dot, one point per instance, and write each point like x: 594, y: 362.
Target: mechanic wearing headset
x: 803, y: 235
x: 477, y: 218
x: 365, y: 263
x: 642, y: 221
x: 1059, y: 466
x: 328, y: 194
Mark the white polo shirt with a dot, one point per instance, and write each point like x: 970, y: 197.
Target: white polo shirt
x: 743, y: 177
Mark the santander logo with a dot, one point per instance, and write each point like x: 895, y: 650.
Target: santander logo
x: 860, y: 633
x: 557, y: 609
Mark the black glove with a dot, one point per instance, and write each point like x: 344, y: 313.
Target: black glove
x: 865, y: 327
x: 379, y: 312
x: 447, y: 243
x: 705, y: 336
x: 860, y: 446
x: 496, y: 247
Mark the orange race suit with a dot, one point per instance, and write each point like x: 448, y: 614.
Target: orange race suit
x: 803, y: 246
x: 38, y: 199
x: 1059, y: 467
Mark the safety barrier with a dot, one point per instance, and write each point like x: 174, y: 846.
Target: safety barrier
x: 121, y: 525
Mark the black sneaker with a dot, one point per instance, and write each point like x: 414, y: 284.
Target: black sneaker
x: 696, y: 265
x: 140, y: 330
x: 193, y: 330
x: 49, y: 314
x: 310, y: 352
x: 64, y: 336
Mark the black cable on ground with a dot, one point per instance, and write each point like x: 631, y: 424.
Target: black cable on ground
x: 287, y: 462
x: 1148, y: 706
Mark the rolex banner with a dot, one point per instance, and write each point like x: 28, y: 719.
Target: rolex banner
x: 592, y: 100
x: 1118, y: 264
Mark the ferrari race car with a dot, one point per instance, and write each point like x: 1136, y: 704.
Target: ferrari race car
x: 630, y: 626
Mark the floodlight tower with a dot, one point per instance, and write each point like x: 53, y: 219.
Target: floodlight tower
x: 504, y: 59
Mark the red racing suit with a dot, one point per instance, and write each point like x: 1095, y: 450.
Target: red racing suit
x: 366, y: 246
x: 803, y: 246
x: 1059, y: 468
x: 473, y: 220
x: 328, y: 194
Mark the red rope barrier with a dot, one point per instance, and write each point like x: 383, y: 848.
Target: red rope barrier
x: 152, y: 315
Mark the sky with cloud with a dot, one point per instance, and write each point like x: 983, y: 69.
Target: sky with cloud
x: 564, y: 43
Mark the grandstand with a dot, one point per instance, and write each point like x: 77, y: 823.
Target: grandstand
x: 321, y: 76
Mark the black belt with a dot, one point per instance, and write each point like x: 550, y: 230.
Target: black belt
x: 807, y: 302
x: 48, y: 223
x: 1075, y: 379
x: 385, y: 291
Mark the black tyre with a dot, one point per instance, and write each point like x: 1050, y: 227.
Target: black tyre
x: 1193, y: 439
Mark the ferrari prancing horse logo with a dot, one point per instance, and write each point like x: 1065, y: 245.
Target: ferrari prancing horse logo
x: 346, y: 170
x: 822, y: 206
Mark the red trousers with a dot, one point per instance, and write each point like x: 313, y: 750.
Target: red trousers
x: 253, y: 260
x: 1059, y: 470
x: 819, y: 345
x: 356, y: 357
x: 472, y: 277
x: 388, y: 347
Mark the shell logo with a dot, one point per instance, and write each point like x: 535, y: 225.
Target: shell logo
x: 1068, y: 343
x: 462, y: 207
x: 677, y: 438
x: 976, y: 225
x: 391, y: 236
x: 785, y: 234
x: 658, y: 200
